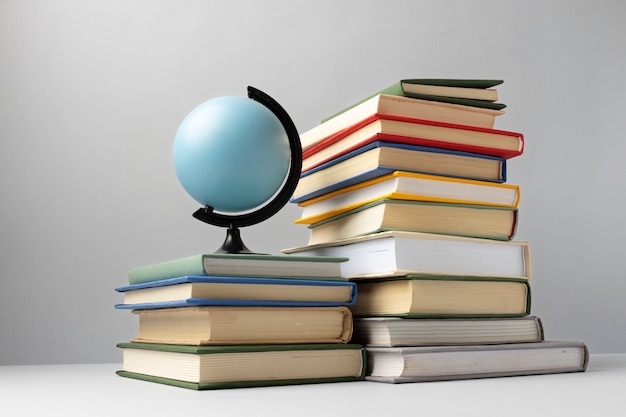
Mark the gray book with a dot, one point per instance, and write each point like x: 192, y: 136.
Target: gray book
x: 440, y: 363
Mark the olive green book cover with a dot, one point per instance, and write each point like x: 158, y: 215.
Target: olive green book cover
x: 272, y: 369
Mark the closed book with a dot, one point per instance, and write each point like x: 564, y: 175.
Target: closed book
x: 379, y: 158
x: 443, y: 296
x: 439, y: 363
x: 412, y: 131
x: 397, y: 253
x: 403, y: 185
x: 213, y: 290
x: 226, y: 264
x: 387, y: 104
x: 401, y: 331
x: 487, y: 222
x: 235, y: 325
x: 469, y: 92
x: 216, y: 367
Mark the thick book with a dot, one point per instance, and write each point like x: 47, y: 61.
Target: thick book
x: 443, y: 296
x: 223, y: 264
x: 393, y: 105
x: 238, y: 325
x: 440, y: 363
x: 412, y: 131
x: 217, y: 367
x: 400, y: 331
x: 487, y: 222
x: 397, y: 253
x: 250, y: 291
x: 379, y: 158
x: 404, y: 185
x: 468, y: 92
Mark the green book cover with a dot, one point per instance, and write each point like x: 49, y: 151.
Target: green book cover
x: 200, y: 386
x: 247, y: 265
x: 209, y: 350
x: 396, y: 89
x: 455, y: 82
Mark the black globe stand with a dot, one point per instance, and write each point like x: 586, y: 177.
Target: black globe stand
x: 233, y: 242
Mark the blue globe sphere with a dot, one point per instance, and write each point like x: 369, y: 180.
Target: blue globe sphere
x: 231, y: 153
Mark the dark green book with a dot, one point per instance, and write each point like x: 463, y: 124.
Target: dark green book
x: 218, y: 367
x: 446, y: 90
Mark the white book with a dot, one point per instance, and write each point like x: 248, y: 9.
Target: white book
x: 395, y: 253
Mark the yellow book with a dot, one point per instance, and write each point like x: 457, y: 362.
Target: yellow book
x: 410, y: 186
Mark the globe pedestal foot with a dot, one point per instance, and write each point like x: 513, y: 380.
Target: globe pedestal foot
x: 233, y: 242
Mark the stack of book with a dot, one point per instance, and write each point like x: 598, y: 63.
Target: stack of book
x: 224, y: 320
x: 410, y: 185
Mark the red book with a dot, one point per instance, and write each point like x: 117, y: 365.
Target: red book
x: 413, y: 131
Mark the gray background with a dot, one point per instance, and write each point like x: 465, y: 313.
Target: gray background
x: 92, y: 92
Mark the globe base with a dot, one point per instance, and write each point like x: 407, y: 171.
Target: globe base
x: 233, y: 242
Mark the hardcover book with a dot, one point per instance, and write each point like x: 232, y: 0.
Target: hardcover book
x: 386, y: 104
x: 212, y: 290
x: 412, y: 131
x: 239, y: 325
x: 247, y: 265
x: 380, y: 158
x: 443, y: 296
x: 398, y: 253
x: 468, y: 92
x: 487, y: 222
x: 401, y: 185
x: 399, y: 331
x: 439, y: 363
x: 215, y: 367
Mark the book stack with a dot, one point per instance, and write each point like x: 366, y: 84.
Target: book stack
x: 410, y: 185
x: 227, y: 320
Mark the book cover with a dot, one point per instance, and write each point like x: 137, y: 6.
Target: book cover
x: 397, y: 253
x: 468, y: 92
x: 220, y: 264
x: 401, y: 185
x: 399, y: 106
x: 379, y: 158
x: 470, y: 220
x: 441, y: 363
x: 413, y: 131
x: 236, y: 291
x: 427, y: 296
x: 399, y: 331
x: 244, y: 325
x: 203, y: 368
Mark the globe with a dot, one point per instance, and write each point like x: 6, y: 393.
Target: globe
x: 231, y: 154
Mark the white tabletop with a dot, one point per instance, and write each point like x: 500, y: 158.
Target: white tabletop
x: 95, y: 390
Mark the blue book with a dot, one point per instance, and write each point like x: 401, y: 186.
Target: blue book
x: 381, y: 158
x: 236, y: 291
